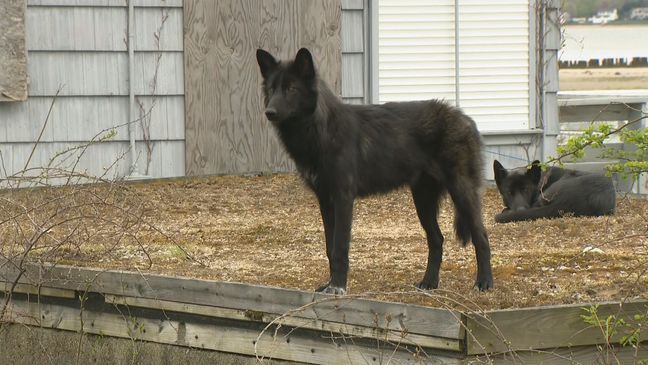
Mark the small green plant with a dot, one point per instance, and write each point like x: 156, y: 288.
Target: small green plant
x: 631, y: 161
x: 135, y: 328
x: 178, y: 252
x: 619, y: 331
x: 609, y: 326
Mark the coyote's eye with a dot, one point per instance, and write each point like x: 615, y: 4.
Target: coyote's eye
x: 292, y: 89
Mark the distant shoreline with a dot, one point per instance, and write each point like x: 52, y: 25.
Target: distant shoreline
x: 617, y: 23
x: 601, y: 78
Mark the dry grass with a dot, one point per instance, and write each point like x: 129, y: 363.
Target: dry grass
x: 267, y: 230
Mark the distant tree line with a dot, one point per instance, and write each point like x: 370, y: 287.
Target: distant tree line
x: 587, y: 8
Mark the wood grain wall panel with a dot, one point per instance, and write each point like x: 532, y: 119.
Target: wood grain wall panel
x: 226, y: 131
x: 319, y: 31
x: 13, y: 54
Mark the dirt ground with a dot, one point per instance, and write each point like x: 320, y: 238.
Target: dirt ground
x: 618, y: 78
x: 267, y: 230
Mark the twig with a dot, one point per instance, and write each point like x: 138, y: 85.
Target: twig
x: 40, y: 135
x: 589, y: 143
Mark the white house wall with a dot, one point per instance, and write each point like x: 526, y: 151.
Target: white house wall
x: 354, y: 33
x: 416, y: 50
x: 417, y: 57
x: 80, y: 47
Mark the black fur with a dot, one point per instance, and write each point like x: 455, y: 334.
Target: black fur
x: 530, y: 193
x: 346, y: 151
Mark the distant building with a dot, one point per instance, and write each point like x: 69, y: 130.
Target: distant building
x: 639, y: 14
x: 604, y: 17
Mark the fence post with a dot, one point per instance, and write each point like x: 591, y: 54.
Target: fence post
x: 550, y: 87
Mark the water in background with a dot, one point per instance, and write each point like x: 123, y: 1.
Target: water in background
x: 585, y: 42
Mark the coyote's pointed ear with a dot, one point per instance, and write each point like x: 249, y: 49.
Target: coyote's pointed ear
x: 535, y: 172
x: 500, y: 172
x: 267, y: 63
x: 304, y: 64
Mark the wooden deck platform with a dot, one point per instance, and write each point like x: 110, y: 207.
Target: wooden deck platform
x: 292, y: 325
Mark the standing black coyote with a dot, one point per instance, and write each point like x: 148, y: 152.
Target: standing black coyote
x: 346, y: 151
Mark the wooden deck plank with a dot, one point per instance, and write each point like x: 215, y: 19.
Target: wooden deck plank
x: 292, y: 321
x: 285, y: 343
x: 570, y: 356
x: 5, y: 287
x: 348, y: 309
x: 542, y: 327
